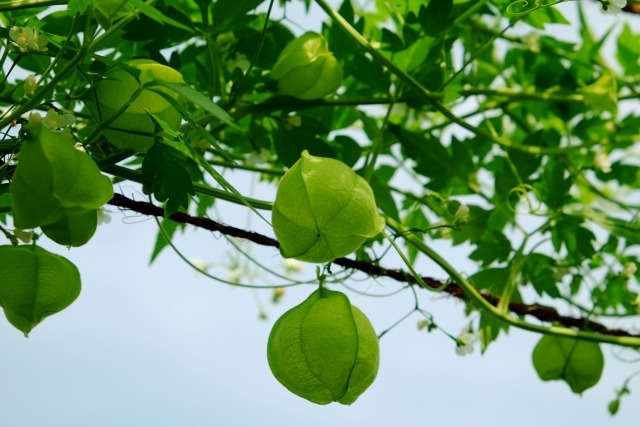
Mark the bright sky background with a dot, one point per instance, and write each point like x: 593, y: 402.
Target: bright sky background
x: 162, y: 346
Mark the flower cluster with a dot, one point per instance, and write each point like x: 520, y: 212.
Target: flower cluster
x: 28, y: 39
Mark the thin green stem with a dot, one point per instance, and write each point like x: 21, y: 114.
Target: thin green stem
x: 377, y: 55
x: 514, y: 95
x: 27, y: 4
x: 238, y: 92
x: 211, y: 57
x: 481, y: 303
x: 409, y: 265
x: 432, y: 98
x: 136, y: 176
x: 376, y: 148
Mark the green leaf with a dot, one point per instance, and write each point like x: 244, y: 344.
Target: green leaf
x: 431, y: 157
x: 491, y: 279
x: 629, y: 51
x: 347, y: 149
x: 380, y: 185
x: 545, y: 15
x: 494, y: 246
x: 539, y: 269
x: 290, y: 142
x: 554, y: 186
x: 171, y: 182
x: 229, y: 15
x: 77, y: 6
x: 615, y: 295
x: 435, y: 17
x: 198, y: 99
x: 490, y: 328
x: 158, y: 16
x: 602, y: 95
x: 578, y: 240
x: 35, y: 284
x: 475, y: 228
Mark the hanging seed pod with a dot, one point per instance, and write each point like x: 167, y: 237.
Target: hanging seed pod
x: 54, y: 180
x: 578, y: 363
x: 323, y: 210
x: 306, y: 69
x: 324, y: 350
x: 133, y: 129
x: 34, y: 284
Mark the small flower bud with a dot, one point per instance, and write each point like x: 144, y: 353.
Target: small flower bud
x: 30, y: 84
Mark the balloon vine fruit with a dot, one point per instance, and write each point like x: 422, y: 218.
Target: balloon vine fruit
x: 133, y: 129
x: 306, y: 69
x: 34, y: 284
x: 54, y: 180
x: 324, y: 350
x: 73, y: 230
x: 578, y: 363
x: 323, y: 210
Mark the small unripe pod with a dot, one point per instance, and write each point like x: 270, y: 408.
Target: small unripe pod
x: 323, y: 210
x: 306, y: 69
x: 35, y: 284
x: 578, y: 363
x: 134, y: 129
x: 324, y: 350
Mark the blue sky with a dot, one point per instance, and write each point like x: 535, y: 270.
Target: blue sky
x: 160, y: 345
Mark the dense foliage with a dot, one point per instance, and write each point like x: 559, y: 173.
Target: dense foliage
x: 466, y: 122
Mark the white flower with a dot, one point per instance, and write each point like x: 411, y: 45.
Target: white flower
x: 27, y: 39
x: 613, y: 7
x: 200, y: 264
x: 424, y: 324
x: 292, y: 265
x: 78, y: 146
x: 256, y: 158
x: 103, y: 216
x: 629, y: 270
x: 602, y: 162
x: 465, y: 343
x: 462, y: 214
x: 55, y: 120
x: 30, y: 84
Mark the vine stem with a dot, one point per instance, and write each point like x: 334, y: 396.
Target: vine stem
x: 69, y: 67
x: 478, y: 300
x: 432, y: 98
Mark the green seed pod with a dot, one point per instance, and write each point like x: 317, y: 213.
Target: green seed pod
x: 578, y: 363
x: 54, y: 180
x: 323, y: 210
x: 133, y: 129
x: 324, y: 350
x: 72, y: 230
x: 306, y: 69
x: 34, y: 284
